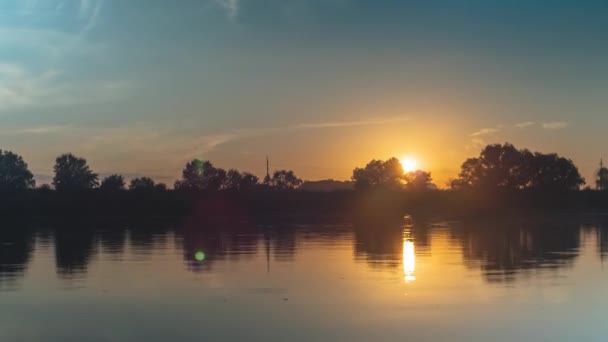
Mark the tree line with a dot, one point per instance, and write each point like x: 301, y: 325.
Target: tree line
x: 498, y: 166
x: 72, y: 173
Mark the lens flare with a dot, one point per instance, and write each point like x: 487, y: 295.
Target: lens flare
x: 199, y: 256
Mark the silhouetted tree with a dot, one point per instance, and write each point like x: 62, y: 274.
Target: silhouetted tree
x: 113, y: 183
x: 160, y: 187
x: 14, y: 174
x: 552, y: 172
x: 378, y: 173
x: 418, y: 180
x: 504, y: 166
x: 201, y: 175
x: 142, y: 184
x: 45, y: 188
x: 248, y: 181
x: 285, y: 180
x: 236, y: 181
x: 73, y: 173
x: 233, y: 180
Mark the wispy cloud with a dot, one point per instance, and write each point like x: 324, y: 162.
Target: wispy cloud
x: 88, y: 14
x: 484, y: 131
x: 138, y: 148
x: 20, y: 87
x: 525, y: 124
x: 41, y: 76
x: 34, y: 130
x: 231, y: 6
x: 337, y: 124
x: 554, y: 125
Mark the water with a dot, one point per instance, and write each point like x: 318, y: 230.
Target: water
x: 418, y: 280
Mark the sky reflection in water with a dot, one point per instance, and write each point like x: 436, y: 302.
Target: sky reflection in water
x: 480, y: 280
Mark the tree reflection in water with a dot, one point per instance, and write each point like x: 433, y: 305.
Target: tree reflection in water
x: 503, y: 250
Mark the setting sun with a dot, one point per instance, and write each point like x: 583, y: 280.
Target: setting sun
x: 409, y: 164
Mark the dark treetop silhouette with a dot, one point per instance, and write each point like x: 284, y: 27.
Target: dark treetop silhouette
x: 284, y: 180
x: 113, y: 183
x: 236, y: 181
x: 73, y: 173
x: 504, y: 166
x: 14, y: 174
x: 201, y: 175
x: 389, y: 174
x: 144, y: 184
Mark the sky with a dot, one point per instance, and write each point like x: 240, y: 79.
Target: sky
x: 140, y: 87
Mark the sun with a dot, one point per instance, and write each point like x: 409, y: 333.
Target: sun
x: 409, y: 164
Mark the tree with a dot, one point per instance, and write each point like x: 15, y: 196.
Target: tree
x: 285, y: 180
x: 248, y: 181
x: 498, y: 165
x: 113, y: 183
x: 418, y: 180
x: 142, y: 184
x: 233, y: 180
x: 14, y: 173
x: 236, y: 181
x: 378, y: 173
x: 552, y: 172
x: 201, y: 175
x: 73, y: 173
x: 505, y: 167
x: 45, y: 188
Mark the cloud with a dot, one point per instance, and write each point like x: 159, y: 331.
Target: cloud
x: 231, y: 7
x: 88, y: 13
x: 20, y: 87
x: 41, y: 76
x: 338, y: 124
x: 34, y: 130
x: 554, y: 125
x: 525, y: 124
x: 484, y: 131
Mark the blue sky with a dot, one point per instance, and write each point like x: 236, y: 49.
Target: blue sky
x: 140, y: 87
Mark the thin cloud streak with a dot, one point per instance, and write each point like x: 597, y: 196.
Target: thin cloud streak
x: 35, y: 130
x: 525, y: 124
x: 119, y: 145
x: 484, y: 131
x: 351, y: 123
x: 554, y: 125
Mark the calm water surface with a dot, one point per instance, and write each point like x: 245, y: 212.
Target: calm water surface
x: 491, y: 280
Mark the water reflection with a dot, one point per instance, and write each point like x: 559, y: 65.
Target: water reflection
x: 16, y: 248
x: 74, y: 247
x: 409, y: 260
x: 506, y: 249
x: 500, y: 250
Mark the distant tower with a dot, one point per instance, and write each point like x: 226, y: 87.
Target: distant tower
x: 601, y: 181
x: 267, y: 178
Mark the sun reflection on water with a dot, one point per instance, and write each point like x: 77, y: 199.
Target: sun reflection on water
x: 409, y: 260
